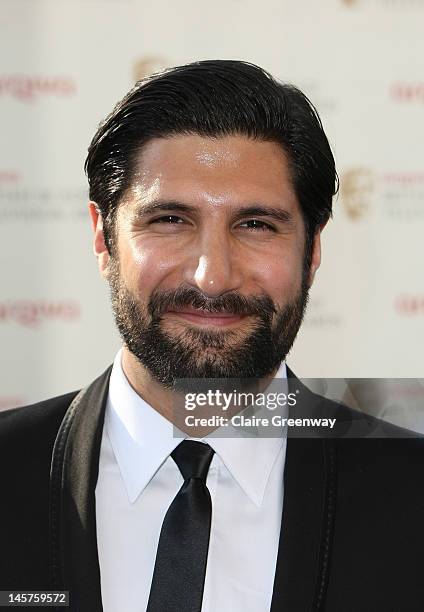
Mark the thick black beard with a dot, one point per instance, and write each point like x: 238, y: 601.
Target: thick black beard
x: 205, y: 354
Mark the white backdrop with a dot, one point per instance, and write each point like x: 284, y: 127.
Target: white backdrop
x: 63, y: 66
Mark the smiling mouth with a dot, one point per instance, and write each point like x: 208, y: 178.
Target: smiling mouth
x: 205, y: 318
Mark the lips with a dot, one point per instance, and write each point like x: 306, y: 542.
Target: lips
x: 203, y: 317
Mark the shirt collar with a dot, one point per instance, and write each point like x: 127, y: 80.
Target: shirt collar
x: 142, y: 440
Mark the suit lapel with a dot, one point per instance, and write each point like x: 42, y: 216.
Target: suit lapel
x: 307, y: 520
x: 75, y: 465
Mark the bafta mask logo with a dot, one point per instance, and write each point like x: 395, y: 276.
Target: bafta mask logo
x: 145, y: 66
x: 357, y: 186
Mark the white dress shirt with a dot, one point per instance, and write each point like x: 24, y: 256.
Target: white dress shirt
x: 138, y: 481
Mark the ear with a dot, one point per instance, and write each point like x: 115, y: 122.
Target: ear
x: 99, y: 244
x: 316, y: 254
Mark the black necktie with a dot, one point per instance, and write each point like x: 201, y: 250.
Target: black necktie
x: 179, y: 574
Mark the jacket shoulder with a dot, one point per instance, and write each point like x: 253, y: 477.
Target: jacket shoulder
x: 34, y: 422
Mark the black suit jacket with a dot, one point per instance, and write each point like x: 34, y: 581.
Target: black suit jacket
x: 352, y: 537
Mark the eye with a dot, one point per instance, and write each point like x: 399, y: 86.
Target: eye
x: 255, y: 224
x: 168, y: 219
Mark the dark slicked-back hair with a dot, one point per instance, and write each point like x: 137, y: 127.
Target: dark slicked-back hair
x: 213, y: 98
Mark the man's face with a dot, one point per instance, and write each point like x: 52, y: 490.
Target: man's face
x: 207, y: 275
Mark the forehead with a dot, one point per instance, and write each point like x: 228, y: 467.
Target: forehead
x: 192, y: 168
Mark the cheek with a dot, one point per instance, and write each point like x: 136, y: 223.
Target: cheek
x: 280, y: 276
x: 145, y: 267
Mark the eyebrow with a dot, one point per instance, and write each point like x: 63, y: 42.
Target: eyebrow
x: 256, y: 210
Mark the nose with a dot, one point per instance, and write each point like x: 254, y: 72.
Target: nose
x: 213, y: 267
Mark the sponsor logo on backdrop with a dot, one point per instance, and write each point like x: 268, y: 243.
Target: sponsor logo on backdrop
x: 410, y: 305
x: 398, y: 195
x: 33, y: 313
x: 8, y: 176
x: 403, y: 195
x: 407, y: 91
x: 35, y: 204
x: 357, y: 187
x: 144, y: 66
x: 30, y: 87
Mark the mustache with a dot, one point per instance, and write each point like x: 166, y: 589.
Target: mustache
x: 230, y: 303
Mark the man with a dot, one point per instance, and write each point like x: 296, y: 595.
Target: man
x: 210, y: 185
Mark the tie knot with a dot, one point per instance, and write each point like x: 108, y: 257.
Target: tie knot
x: 193, y: 459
